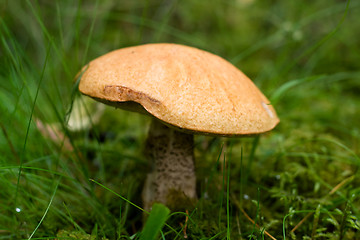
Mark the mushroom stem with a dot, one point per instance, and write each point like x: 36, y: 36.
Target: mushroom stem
x: 173, y: 173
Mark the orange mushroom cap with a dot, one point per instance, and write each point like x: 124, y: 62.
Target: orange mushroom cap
x: 185, y: 87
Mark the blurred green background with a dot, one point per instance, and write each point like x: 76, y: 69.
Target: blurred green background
x: 300, y: 181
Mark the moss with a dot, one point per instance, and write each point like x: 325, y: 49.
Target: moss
x: 178, y: 201
x: 65, y: 234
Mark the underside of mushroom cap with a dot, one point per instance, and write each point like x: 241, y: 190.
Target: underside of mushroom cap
x: 182, y: 86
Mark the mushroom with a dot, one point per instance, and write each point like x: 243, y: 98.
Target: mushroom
x: 186, y: 91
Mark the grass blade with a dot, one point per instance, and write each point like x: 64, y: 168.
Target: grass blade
x: 155, y: 222
x: 47, y: 209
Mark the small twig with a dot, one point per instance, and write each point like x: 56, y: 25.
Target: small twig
x: 184, y: 229
x: 185, y: 225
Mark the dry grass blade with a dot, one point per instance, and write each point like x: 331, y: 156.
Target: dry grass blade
x: 336, y: 188
x: 11, y: 146
x: 301, y: 222
x: 237, y: 204
x: 55, y: 135
x: 342, y: 183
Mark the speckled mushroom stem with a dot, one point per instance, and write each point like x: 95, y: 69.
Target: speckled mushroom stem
x: 172, y: 178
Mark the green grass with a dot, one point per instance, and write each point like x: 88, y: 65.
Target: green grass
x: 300, y: 181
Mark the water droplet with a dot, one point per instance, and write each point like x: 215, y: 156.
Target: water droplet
x: 17, y: 209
